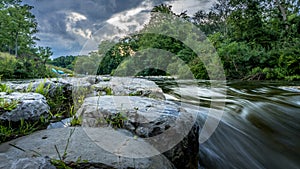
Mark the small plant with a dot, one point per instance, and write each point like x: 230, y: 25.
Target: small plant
x: 116, y: 120
x: 59, y: 104
x: 41, y: 89
x: 61, y: 163
x: 29, y: 88
x: 80, y: 94
x: 7, y: 106
x: 12, y: 130
x: 108, y: 91
x: 76, y: 121
x: 5, y: 88
x: 137, y: 93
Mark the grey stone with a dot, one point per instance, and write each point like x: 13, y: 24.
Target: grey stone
x: 25, y: 163
x: 165, y: 126
x: 32, y: 163
x: 31, y: 106
x: 128, y: 86
x: 81, y: 145
x: 60, y: 124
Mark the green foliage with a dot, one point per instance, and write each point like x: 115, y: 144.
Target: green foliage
x: 12, y: 130
x: 116, y: 120
x: 61, y: 163
x: 29, y: 88
x: 76, y: 121
x: 60, y: 104
x: 87, y: 64
x: 17, y: 29
x: 7, y: 65
x: 64, y: 62
x: 5, y: 88
x: 108, y: 91
x: 254, y: 39
x: 7, y: 105
x: 42, y: 89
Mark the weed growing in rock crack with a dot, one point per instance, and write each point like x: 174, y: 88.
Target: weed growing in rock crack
x: 79, y: 94
x: 58, y: 100
x: 61, y: 163
x: 116, y: 120
x: 58, y: 163
x: 108, y: 91
x: 5, y: 88
x: 41, y: 89
x: 11, y: 130
x: 29, y: 88
x: 59, y: 105
x: 137, y: 93
x: 76, y: 121
x: 7, y: 106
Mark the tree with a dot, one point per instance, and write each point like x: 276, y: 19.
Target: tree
x: 44, y: 54
x: 17, y: 28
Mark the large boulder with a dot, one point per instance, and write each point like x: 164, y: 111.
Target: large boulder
x: 161, y: 126
x: 49, y: 85
x: 129, y: 86
x: 80, y: 145
x: 31, y: 106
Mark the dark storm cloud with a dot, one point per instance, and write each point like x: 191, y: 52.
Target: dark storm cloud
x: 67, y: 25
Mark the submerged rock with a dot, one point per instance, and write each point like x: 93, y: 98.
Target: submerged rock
x: 31, y: 106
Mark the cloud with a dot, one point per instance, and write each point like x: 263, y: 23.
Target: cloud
x: 191, y: 6
x: 71, y: 26
x: 72, y: 19
x: 132, y: 20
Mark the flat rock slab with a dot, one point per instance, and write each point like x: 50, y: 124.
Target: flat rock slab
x: 80, y: 145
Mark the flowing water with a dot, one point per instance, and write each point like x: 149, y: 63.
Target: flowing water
x: 260, y: 126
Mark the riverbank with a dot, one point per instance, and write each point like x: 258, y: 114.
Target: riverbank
x: 129, y: 116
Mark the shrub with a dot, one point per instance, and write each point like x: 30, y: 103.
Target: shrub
x: 7, y: 65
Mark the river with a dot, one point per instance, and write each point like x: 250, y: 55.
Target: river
x: 259, y: 128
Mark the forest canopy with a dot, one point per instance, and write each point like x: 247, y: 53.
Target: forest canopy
x: 254, y: 39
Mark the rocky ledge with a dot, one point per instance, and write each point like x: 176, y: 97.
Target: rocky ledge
x: 126, y: 123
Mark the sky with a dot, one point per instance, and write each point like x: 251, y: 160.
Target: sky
x: 75, y: 27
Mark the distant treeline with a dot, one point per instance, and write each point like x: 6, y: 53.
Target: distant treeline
x: 64, y: 62
x: 254, y: 39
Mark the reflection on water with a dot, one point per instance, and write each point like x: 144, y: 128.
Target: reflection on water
x: 260, y: 127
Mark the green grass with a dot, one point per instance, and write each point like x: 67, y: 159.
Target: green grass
x: 42, y: 89
x: 7, y: 106
x: 12, y: 130
x: 4, y: 87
